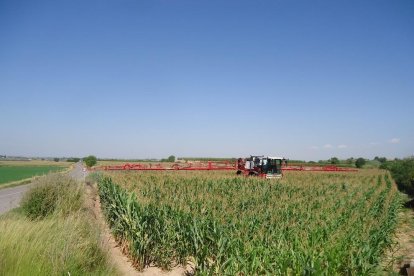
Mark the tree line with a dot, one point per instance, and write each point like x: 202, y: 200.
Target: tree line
x: 402, y: 170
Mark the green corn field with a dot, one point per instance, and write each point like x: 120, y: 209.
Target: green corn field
x: 305, y: 223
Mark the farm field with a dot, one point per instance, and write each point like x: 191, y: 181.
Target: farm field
x: 306, y: 223
x: 121, y: 162
x: 18, y: 170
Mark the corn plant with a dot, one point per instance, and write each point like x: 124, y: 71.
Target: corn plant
x: 306, y: 223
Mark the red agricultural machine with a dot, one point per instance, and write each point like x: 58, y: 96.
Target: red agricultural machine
x: 187, y: 166
x: 273, y: 167
x: 267, y: 167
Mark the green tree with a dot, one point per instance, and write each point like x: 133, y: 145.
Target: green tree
x: 56, y: 159
x: 360, y: 162
x: 381, y: 159
x: 334, y: 160
x: 350, y: 160
x: 73, y: 159
x: 170, y: 158
x: 90, y: 160
x: 403, y: 173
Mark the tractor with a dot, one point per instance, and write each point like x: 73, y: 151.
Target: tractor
x: 255, y: 165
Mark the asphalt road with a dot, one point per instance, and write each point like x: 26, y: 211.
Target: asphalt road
x: 10, y: 197
x: 78, y: 172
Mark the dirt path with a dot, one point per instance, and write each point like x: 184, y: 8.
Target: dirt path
x: 119, y: 260
x: 399, y: 257
x: 78, y: 172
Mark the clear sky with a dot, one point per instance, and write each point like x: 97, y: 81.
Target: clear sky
x: 140, y: 79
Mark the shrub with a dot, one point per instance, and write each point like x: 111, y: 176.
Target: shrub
x: 50, y: 194
x: 170, y: 158
x: 73, y: 159
x: 360, y: 162
x: 334, y: 160
x: 39, y: 202
x: 65, y: 242
x: 350, y: 161
x: 403, y: 173
x: 90, y: 160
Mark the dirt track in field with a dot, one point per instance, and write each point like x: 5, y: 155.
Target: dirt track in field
x: 116, y: 254
x: 399, y: 257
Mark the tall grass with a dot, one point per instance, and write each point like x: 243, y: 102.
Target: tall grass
x: 52, y: 233
x: 54, y: 194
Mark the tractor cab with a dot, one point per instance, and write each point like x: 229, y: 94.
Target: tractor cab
x: 273, y: 167
x: 255, y: 165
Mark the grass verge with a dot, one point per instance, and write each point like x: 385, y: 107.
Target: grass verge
x: 51, y: 233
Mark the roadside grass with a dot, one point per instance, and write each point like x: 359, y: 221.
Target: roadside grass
x: 55, y: 194
x: 52, y: 233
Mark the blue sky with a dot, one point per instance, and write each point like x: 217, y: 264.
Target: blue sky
x: 136, y: 79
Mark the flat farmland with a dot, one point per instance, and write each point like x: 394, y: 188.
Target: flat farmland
x: 306, y: 223
x: 120, y: 163
x: 18, y: 170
